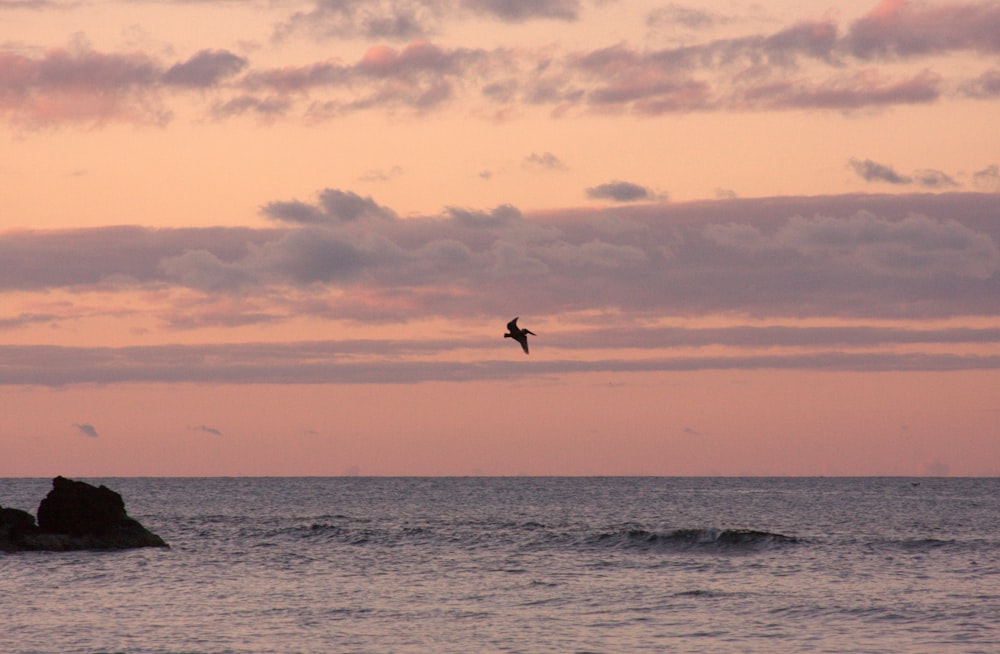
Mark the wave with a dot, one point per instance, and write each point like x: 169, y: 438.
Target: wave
x: 717, y: 539
x: 536, y: 536
x: 531, y: 535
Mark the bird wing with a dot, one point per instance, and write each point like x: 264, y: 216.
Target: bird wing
x: 524, y: 344
x: 512, y: 326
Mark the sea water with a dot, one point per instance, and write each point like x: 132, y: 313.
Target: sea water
x: 522, y: 565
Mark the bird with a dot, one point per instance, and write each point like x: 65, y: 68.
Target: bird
x: 518, y: 334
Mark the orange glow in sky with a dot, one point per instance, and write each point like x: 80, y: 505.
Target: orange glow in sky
x: 285, y: 239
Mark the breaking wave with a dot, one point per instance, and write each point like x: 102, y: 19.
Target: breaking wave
x: 719, y: 539
x: 534, y: 535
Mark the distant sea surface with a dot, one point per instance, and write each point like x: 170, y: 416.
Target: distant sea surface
x: 521, y: 565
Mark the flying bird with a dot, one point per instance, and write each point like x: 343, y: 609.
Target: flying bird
x: 518, y: 334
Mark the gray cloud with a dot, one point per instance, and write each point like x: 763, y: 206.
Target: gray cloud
x: 420, y: 76
x: 759, y: 72
x: 267, y: 108
x: 46, y: 90
x: 912, y: 247
x: 410, y: 361
x: 310, y: 256
x: 893, y: 256
x: 205, y: 69
x: 501, y: 216
x: 811, y: 65
x: 907, y: 29
x: 381, y: 175
x: 813, y: 40
x: 845, y: 92
x: 300, y: 257
x: 673, y: 15
x: 82, y: 85
x: 934, y: 179
x: 334, y: 206
x: 136, y: 88
x: 988, y: 178
x: 369, y: 19
x: 32, y: 4
x: 619, y: 191
x: 545, y: 160
x: 872, y: 171
x: 206, y: 271
x: 411, y: 19
x: 25, y: 319
x: 768, y: 337
x: 986, y: 86
x: 522, y: 10
x: 311, y: 363
x: 112, y: 255
x: 86, y: 429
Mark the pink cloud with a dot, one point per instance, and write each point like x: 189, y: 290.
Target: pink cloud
x: 296, y: 79
x: 397, y: 19
x: 783, y: 70
x: 79, y: 86
x: 876, y: 256
x: 808, y: 65
x: 864, y: 88
x: 420, y: 76
x: 415, y: 58
x: 902, y: 28
x: 523, y: 10
x: 325, y: 362
x: 986, y: 86
x: 204, y: 69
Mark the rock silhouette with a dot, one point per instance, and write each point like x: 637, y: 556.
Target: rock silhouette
x: 75, y: 516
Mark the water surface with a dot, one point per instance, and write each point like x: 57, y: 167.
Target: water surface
x: 522, y: 564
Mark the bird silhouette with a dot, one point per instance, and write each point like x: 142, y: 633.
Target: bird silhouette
x: 518, y: 334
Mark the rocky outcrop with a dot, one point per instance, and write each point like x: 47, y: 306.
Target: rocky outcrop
x: 75, y: 516
x: 15, y: 523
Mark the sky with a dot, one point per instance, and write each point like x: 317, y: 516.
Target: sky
x: 274, y: 237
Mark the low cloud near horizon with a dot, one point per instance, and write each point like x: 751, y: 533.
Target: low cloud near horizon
x: 872, y: 171
x: 619, y: 191
x: 768, y: 263
x: 879, y: 257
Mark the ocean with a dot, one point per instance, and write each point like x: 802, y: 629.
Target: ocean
x: 521, y: 565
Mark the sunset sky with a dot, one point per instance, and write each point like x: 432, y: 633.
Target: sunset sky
x: 284, y: 237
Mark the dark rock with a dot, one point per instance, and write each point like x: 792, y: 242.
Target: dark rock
x: 77, y: 508
x: 15, y: 523
x: 74, y: 516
